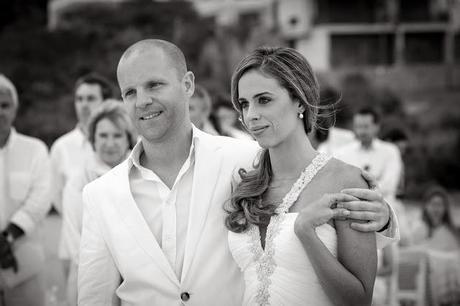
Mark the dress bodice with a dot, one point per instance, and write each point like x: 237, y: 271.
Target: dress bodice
x: 282, y: 274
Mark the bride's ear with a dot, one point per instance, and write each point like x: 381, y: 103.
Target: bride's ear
x: 300, y: 107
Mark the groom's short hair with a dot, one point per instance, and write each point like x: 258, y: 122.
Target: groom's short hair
x: 175, y: 55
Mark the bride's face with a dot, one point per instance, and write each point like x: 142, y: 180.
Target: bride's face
x: 268, y: 111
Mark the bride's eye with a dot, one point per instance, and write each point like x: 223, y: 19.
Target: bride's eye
x: 264, y: 100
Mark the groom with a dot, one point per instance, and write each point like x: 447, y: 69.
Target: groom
x: 153, y: 227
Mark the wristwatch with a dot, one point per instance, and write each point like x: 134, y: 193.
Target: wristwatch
x: 9, y: 237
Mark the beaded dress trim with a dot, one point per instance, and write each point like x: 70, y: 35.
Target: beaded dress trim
x: 264, y: 259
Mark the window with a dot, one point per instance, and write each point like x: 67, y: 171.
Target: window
x: 424, y: 47
x: 362, y: 49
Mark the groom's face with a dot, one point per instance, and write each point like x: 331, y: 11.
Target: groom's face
x: 155, y: 95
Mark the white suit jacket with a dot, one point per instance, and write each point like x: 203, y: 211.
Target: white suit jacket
x: 120, y: 258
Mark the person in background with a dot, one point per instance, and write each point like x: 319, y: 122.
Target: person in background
x: 399, y: 137
x: 437, y: 230
x: 382, y: 159
x: 111, y: 135
x: 200, y: 110
x: 228, y: 120
x: 439, y: 239
x: 25, y: 177
x: 69, y: 152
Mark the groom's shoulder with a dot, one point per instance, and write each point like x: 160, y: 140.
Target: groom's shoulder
x: 109, y: 180
x: 230, y: 143
x: 238, y: 148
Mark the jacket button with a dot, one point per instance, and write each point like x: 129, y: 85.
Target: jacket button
x: 185, y: 296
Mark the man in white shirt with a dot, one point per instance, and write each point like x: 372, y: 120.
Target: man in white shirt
x: 69, y: 151
x: 153, y: 227
x: 24, y: 202
x: 382, y: 159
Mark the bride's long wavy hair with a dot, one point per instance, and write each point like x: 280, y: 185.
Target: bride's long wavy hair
x: 294, y: 73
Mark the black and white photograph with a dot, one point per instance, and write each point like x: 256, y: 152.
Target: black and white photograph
x: 230, y: 152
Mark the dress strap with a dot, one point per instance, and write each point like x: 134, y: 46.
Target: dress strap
x: 304, y: 179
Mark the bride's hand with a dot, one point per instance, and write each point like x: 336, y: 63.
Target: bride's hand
x: 320, y: 212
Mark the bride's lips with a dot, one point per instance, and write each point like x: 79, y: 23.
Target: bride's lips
x: 257, y: 130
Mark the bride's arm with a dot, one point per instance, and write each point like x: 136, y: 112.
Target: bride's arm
x: 349, y: 278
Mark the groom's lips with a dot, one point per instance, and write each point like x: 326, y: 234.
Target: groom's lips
x: 150, y: 115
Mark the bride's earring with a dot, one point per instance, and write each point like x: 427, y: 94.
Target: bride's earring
x: 300, y: 115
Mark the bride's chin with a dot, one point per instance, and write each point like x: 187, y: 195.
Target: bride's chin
x: 264, y: 144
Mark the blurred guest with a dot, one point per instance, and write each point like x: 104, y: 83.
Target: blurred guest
x: 200, y: 109
x: 437, y: 231
x: 24, y: 202
x: 70, y: 150
x: 400, y: 138
x: 111, y: 135
x: 380, y: 158
x: 440, y: 240
x: 228, y: 120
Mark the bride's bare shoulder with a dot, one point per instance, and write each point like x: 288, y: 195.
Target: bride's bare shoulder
x: 344, y: 175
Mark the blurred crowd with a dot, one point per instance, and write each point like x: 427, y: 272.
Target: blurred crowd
x: 33, y: 180
x: 428, y: 254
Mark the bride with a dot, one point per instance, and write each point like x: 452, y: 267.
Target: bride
x: 283, y: 234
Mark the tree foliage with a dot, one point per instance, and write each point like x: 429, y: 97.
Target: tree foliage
x: 45, y: 64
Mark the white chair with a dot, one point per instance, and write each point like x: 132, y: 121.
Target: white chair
x: 386, y: 283
x: 392, y: 299
x: 412, y: 276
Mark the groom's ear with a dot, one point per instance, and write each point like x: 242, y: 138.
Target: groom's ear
x: 189, y: 83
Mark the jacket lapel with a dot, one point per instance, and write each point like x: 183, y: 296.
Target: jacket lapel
x: 135, y: 222
x: 208, y: 161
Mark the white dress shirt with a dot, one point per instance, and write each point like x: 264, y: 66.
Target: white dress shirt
x: 68, y: 155
x: 382, y: 159
x: 24, y: 182
x: 72, y: 209
x: 166, y: 211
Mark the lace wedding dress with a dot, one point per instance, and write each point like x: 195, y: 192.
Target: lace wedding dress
x: 281, y: 274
